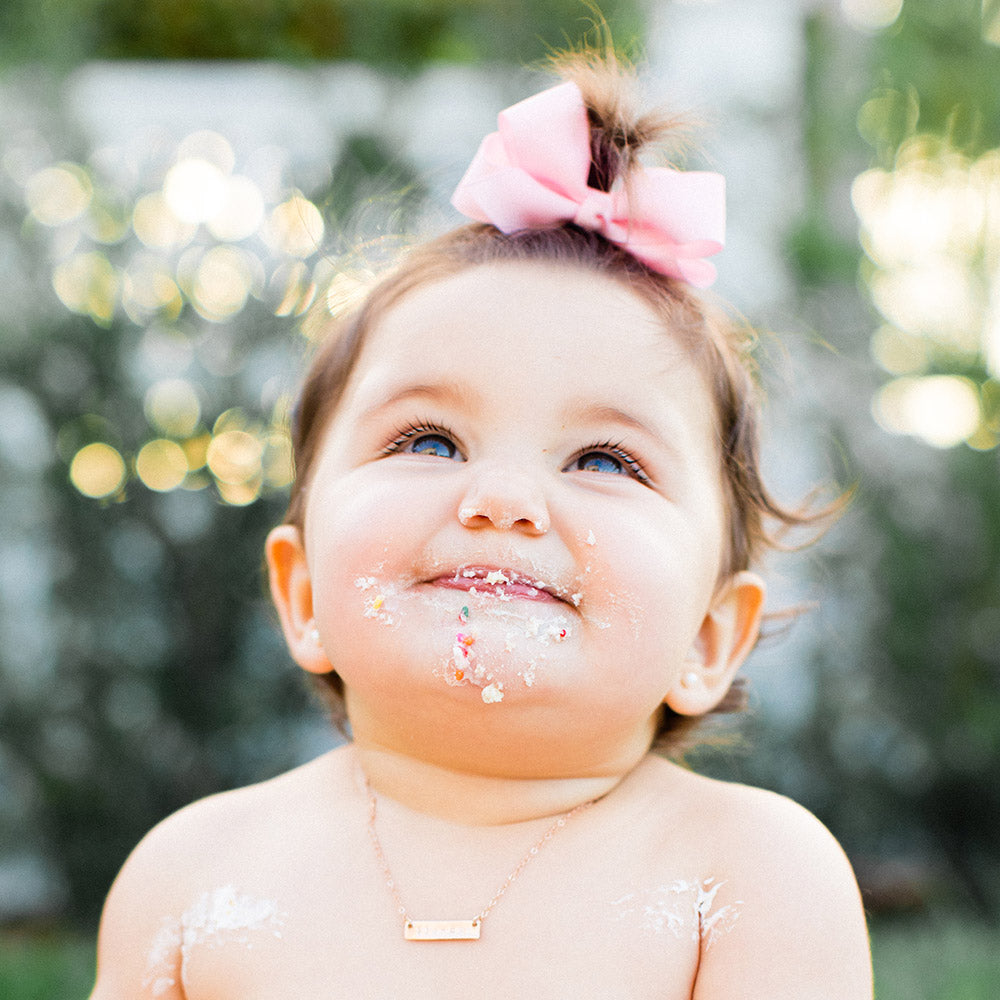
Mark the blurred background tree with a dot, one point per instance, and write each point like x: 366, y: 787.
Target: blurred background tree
x: 907, y: 717
x: 393, y: 34
x: 149, y: 344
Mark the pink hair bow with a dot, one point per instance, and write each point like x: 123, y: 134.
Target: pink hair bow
x: 532, y: 173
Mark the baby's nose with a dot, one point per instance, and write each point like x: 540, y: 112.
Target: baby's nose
x: 504, y: 499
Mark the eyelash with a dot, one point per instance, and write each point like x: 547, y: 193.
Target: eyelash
x: 615, y: 448
x: 413, y: 430
x: 416, y: 429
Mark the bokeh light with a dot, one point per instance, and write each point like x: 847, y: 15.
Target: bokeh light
x: 943, y: 410
x: 87, y: 283
x: 210, y: 146
x: 97, y: 470
x: 347, y: 289
x: 234, y: 457
x: 196, y: 452
x: 279, y: 468
x: 871, y: 15
x: 898, y: 353
x: 195, y: 190
x: 936, y: 299
x: 223, y: 281
x: 148, y: 290
x: 930, y: 227
x: 295, y: 227
x: 205, y: 241
x: 106, y: 224
x: 293, y: 288
x: 161, y: 465
x: 172, y: 406
x: 240, y: 212
x: 59, y: 194
x: 157, y: 226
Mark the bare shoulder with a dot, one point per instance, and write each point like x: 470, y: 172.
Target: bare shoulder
x: 762, y: 824
x: 795, y: 923
x: 201, y: 834
x: 216, y: 841
x: 742, y: 826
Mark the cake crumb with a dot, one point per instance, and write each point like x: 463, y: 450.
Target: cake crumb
x: 492, y: 693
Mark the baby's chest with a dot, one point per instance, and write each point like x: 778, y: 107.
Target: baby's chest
x: 632, y: 946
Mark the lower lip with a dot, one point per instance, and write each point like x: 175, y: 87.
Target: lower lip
x: 522, y: 591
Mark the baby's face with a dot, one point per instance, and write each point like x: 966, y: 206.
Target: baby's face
x: 515, y: 520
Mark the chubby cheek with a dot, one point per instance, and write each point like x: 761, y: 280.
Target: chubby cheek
x: 353, y: 536
x: 651, y: 590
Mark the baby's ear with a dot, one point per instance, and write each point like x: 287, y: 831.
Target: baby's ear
x: 727, y: 635
x: 291, y: 589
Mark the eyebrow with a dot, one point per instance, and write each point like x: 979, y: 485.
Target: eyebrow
x: 437, y: 392
x: 586, y: 410
x: 605, y: 413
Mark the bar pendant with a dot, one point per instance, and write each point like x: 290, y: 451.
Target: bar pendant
x: 441, y: 930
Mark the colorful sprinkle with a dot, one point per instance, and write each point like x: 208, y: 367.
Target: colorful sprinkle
x: 378, y: 602
x: 463, y: 615
x: 465, y: 640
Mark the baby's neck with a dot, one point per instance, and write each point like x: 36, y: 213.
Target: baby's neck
x: 476, y: 799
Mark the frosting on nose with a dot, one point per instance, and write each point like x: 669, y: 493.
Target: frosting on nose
x: 502, y: 520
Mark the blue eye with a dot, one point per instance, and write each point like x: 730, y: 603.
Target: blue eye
x: 609, y: 459
x: 424, y: 439
x: 431, y: 444
x: 598, y: 461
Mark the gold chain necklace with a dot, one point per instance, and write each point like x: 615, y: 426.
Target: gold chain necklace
x: 455, y: 930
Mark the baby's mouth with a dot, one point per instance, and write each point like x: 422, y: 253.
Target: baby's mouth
x: 505, y: 584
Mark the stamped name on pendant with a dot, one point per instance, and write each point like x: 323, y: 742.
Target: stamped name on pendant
x: 441, y: 930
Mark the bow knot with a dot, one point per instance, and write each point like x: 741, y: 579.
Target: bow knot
x: 596, y: 211
x: 532, y: 173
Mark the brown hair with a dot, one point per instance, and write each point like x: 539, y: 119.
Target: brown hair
x: 719, y: 346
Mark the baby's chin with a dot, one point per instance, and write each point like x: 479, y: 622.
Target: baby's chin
x: 505, y: 656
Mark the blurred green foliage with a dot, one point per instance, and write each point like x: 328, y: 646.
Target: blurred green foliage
x: 935, y: 960
x: 936, y: 56
x: 390, y: 33
x: 910, y: 722
x: 46, y: 968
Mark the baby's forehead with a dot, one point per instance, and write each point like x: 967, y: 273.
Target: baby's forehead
x: 513, y: 314
x: 541, y: 296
